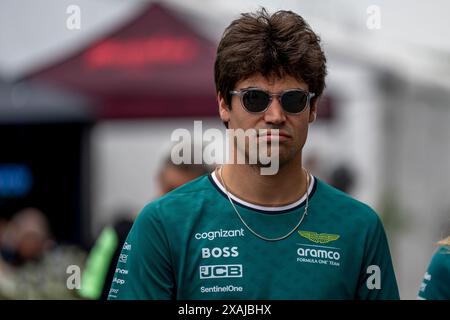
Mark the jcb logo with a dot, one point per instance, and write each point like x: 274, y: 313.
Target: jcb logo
x: 221, y: 271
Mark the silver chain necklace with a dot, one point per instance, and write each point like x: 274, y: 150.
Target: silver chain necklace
x: 305, y: 212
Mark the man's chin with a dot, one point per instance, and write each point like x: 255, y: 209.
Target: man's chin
x: 282, y: 151
x: 283, y: 159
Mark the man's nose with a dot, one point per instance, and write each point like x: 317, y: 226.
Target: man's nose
x: 275, y: 114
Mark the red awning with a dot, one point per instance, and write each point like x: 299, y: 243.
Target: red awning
x: 155, y: 66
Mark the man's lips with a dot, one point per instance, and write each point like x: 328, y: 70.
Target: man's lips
x: 281, y: 136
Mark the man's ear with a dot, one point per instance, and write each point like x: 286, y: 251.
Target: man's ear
x: 224, y: 110
x: 313, y: 109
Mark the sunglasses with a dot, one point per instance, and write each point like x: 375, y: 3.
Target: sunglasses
x: 256, y: 100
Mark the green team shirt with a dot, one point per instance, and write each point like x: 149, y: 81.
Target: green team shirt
x: 436, y: 282
x: 190, y: 244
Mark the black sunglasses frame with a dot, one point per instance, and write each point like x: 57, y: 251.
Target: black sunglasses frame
x: 242, y: 92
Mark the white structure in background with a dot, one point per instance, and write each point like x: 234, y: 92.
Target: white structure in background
x: 393, y: 88
x: 126, y: 158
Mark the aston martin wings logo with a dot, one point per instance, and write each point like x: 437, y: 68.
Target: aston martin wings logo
x: 319, y: 237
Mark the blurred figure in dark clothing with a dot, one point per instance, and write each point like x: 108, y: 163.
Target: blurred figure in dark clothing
x: 342, y: 178
x: 100, y: 266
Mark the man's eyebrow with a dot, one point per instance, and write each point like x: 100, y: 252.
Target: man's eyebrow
x: 251, y: 87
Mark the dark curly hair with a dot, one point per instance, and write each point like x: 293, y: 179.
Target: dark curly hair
x: 271, y: 45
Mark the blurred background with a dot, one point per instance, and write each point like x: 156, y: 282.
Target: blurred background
x: 91, y: 90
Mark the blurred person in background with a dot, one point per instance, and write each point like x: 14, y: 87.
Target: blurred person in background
x: 342, y: 177
x: 26, y: 237
x: 171, y: 175
x: 436, y: 282
x: 33, y: 266
x: 101, y: 264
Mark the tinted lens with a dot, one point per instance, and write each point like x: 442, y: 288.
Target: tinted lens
x: 294, y: 101
x: 255, y: 100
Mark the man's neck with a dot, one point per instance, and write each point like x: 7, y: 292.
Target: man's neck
x: 247, y: 183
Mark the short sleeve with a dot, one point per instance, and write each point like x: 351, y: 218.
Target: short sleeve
x: 377, y: 278
x: 144, y: 269
x: 436, y: 282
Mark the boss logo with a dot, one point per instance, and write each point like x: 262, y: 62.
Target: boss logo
x: 221, y: 271
x: 224, y: 252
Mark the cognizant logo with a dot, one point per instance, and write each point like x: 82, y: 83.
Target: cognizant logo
x: 211, y: 235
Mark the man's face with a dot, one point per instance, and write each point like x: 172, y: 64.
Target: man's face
x: 293, y: 128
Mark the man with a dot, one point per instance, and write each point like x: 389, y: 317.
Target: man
x: 238, y: 234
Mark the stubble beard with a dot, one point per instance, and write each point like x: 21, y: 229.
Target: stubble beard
x: 285, y: 156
